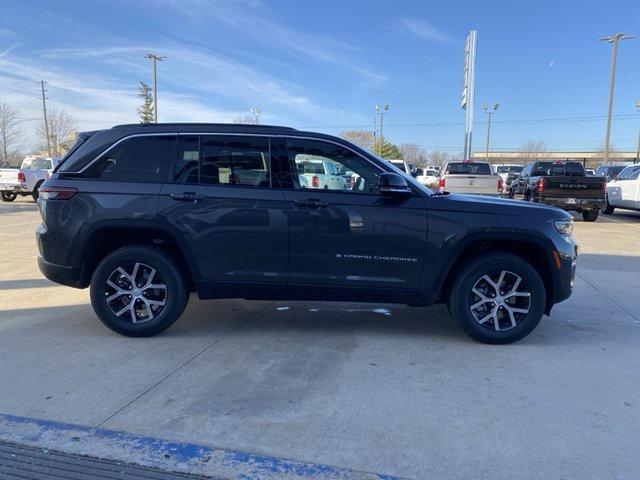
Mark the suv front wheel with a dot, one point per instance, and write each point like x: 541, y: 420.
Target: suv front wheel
x: 497, y: 298
x: 138, y: 291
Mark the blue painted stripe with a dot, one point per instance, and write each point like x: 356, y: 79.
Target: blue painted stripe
x: 164, y: 454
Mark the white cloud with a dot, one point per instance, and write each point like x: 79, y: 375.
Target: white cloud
x: 425, y: 31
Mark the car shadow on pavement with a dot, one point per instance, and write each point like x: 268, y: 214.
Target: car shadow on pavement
x: 26, y: 283
x: 17, y: 208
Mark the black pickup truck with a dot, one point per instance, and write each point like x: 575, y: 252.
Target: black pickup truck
x: 561, y: 184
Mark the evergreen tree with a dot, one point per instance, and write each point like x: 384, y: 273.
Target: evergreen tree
x: 387, y: 149
x: 145, y: 110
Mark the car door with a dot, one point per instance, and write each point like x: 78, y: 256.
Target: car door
x: 629, y: 187
x: 351, y: 239
x: 219, y: 200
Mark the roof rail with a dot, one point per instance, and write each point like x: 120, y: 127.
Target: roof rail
x: 202, y: 124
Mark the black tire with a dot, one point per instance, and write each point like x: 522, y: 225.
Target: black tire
x: 590, y: 215
x: 608, y: 208
x: 462, y: 296
x: 168, y: 273
x: 8, y: 196
x: 35, y: 194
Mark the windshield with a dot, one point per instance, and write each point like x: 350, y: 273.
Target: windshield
x: 467, y: 168
x: 36, y: 163
x: 509, y: 169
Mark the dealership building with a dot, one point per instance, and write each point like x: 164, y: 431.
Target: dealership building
x: 588, y: 159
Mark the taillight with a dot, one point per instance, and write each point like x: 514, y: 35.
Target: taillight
x: 500, y: 185
x: 315, y: 182
x: 21, y: 177
x: 603, y: 185
x: 540, y: 185
x: 57, y: 193
x: 441, y: 183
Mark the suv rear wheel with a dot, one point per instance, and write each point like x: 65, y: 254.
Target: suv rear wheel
x: 138, y: 291
x: 497, y: 298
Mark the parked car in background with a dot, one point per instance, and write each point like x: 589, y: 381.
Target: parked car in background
x: 508, y: 174
x: 321, y: 174
x: 624, y: 190
x: 27, y: 179
x: 470, y: 177
x: 611, y: 170
x: 144, y: 214
x: 401, y: 164
x: 427, y: 177
x: 564, y: 185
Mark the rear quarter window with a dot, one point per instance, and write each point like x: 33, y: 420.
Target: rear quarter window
x: 137, y: 159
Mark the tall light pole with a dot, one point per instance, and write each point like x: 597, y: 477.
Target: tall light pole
x: 489, y: 110
x: 255, y: 112
x: 46, y: 120
x: 613, y: 39
x: 638, y: 150
x: 155, y: 58
x: 382, y: 111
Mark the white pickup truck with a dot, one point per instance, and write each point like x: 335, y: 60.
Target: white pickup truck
x: 624, y: 190
x: 323, y: 174
x: 27, y: 179
x: 470, y: 177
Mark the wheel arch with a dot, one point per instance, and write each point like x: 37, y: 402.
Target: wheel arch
x: 106, y: 238
x: 536, y: 251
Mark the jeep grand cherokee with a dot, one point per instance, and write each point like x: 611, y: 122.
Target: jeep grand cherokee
x: 144, y: 214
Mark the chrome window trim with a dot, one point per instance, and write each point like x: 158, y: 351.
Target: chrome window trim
x: 164, y: 134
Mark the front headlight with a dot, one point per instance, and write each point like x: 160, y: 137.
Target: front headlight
x: 565, y: 227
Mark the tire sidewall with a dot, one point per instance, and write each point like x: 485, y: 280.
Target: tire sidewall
x: 167, y: 268
x: 476, y: 268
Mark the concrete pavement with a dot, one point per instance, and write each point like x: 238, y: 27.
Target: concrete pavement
x: 377, y: 388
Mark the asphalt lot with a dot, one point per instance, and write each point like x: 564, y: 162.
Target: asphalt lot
x: 379, y: 388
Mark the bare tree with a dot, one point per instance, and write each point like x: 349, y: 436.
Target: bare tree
x: 533, y: 150
x: 244, y: 120
x: 438, y: 158
x: 362, y: 138
x: 10, y: 134
x: 62, y: 129
x: 413, y: 153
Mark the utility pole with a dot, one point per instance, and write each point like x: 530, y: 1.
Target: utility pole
x: 468, y: 88
x: 638, y: 150
x: 255, y: 112
x: 46, y: 120
x: 155, y: 59
x: 489, y: 111
x: 382, y: 111
x: 613, y: 39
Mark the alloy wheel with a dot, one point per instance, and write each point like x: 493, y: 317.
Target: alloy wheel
x: 135, y: 293
x: 499, y: 301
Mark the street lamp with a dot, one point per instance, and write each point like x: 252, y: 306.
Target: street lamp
x: 638, y: 150
x: 613, y: 39
x: 382, y: 111
x: 155, y: 58
x: 255, y: 111
x: 489, y: 110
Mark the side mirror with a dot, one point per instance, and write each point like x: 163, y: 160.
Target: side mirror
x: 393, y: 184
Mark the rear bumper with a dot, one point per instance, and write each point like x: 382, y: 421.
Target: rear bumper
x: 62, y: 274
x: 572, y: 203
x: 13, y: 187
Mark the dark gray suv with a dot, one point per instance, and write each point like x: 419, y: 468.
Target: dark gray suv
x: 144, y: 214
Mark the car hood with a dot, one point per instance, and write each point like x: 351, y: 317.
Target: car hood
x: 500, y: 206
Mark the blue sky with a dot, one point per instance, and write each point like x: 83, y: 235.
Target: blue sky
x: 323, y: 65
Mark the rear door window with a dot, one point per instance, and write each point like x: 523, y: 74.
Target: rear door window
x: 223, y: 160
x: 136, y: 159
x: 467, y: 168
